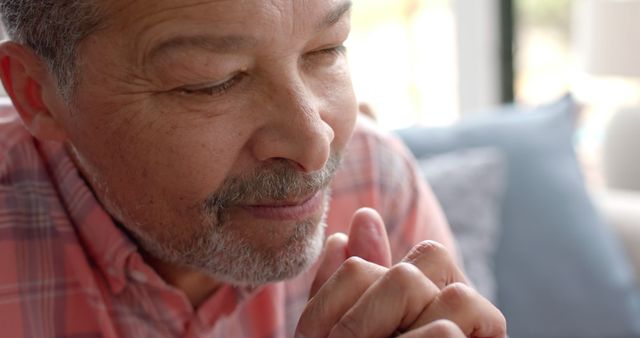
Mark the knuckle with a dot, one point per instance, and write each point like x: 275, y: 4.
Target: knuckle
x: 356, y: 270
x: 404, y: 274
x: 434, y: 260
x: 432, y: 249
x: 353, y: 265
x: 456, y: 295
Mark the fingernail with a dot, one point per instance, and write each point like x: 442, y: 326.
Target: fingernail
x: 338, y: 236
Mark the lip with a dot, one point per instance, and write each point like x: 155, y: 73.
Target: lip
x: 287, y: 211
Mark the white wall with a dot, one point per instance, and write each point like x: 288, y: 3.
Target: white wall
x: 478, y: 24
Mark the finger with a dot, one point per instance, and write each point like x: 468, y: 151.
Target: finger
x: 393, y: 302
x: 438, y: 329
x: 368, y: 238
x: 334, y: 254
x: 475, y: 315
x: 336, y: 296
x: 433, y: 259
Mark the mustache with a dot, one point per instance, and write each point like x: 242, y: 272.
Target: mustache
x: 279, y: 182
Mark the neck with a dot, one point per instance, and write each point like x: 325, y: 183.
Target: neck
x: 197, y: 286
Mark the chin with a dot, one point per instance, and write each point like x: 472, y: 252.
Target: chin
x: 249, y: 266
x: 249, y: 261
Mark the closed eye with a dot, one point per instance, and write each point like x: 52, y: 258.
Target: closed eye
x: 210, y: 89
x: 337, y: 50
x: 325, y: 57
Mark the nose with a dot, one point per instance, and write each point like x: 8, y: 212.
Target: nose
x: 295, y: 129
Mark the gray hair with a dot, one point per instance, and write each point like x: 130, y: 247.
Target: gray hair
x: 53, y: 29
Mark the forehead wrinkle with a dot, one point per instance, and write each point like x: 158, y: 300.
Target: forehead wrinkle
x: 129, y: 6
x: 232, y: 43
x: 150, y: 18
x: 123, y: 14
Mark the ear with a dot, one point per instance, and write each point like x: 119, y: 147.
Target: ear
x: 24, y: 75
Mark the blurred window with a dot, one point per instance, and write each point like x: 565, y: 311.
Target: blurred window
x: 548, y: 65
x: 403, y: 60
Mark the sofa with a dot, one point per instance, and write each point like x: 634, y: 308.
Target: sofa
x: 558, y: 259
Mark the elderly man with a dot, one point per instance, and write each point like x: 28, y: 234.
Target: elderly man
x: 165, y: 171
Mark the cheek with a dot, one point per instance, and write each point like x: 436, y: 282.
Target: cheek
x: 342, y: 108
x: 157, y: 166
x: 188, y: 161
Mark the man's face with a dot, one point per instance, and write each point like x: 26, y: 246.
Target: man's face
x: 210, y: 129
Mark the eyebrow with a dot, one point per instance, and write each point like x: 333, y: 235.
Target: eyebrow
x: 233, y: 43
x: 335, y: 15
x: 219, y: 44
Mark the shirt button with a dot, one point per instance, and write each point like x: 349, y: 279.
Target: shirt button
x: 138, y: 276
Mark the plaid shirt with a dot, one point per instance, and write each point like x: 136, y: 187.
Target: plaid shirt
x: 67, y: 271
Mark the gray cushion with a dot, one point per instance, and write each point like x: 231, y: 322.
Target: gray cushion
x: 560, y: 271
x: 469, y: 185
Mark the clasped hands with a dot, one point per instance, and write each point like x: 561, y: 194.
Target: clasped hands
x: 358, y: 293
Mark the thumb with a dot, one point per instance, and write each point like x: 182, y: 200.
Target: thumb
x: 335, y: 252
x: 368, y: 238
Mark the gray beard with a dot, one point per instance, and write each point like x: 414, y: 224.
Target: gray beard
x: 228, y: 258
x: 216, y: 249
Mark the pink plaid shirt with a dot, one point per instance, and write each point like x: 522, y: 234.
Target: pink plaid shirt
x: 68, y: 271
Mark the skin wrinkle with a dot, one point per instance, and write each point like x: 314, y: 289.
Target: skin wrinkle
x: 129, y: 6
x: 131, y: 98
x: 150, y: 52
x: 141, y: 58
x: 131, y: 76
